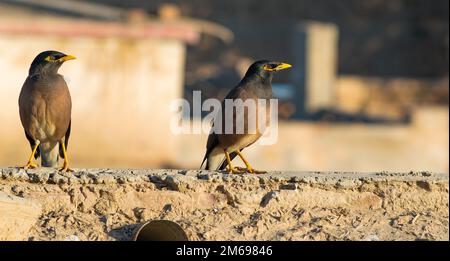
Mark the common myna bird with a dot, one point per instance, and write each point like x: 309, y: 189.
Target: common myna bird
x: 45, y: 110
x: 223, y: 146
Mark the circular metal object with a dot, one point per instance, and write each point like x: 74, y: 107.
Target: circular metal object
x: 160, y: 230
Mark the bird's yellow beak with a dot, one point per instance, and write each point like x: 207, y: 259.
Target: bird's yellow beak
x: 67, y: 58
x: 282, y: 66
x: 279, y: 67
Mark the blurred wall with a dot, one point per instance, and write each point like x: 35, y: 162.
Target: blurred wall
x: 395, y: 38
x: 121, y: 89
x: 420, y: 146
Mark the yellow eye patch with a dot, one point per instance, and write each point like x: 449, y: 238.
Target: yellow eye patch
x: 268, y: 68
x: 50, y: 59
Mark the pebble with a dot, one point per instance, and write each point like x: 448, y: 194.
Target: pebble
x: 289, y: 186
x: 268, y: 197
x: 72, y: 238
x: 372, y: 238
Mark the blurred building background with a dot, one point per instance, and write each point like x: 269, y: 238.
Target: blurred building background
x: 369, y: 89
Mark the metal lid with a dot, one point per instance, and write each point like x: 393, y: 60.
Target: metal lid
x: 160, y: 230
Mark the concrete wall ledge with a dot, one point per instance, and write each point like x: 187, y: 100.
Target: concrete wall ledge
x: 107, y: 204
x: 122, y: 176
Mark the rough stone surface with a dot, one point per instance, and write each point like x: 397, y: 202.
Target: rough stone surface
x: 17, y: 215
x: 108, y: 204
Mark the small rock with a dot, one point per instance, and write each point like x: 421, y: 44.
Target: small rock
x: 372, y: 238
x: 22, y: 175
x: 295, y: 179
x: 263, y: 180
x: 40, y: 177
x: 72, y: 238
x: 167, y: 208
x: 269, y: 196
x: 155, y: 179
x: 203, y: 176
x: 172, y: 182
x: 121, y: 180
x: 16, y: 189
x: 289, y: 186
x: 183, y: 172
x: 142, y: 214
x: 83, y: 179
x: 132, y: 179
x: 58, y: 179
x: 427, y: 174
x: 177, y: 183
x: 424, y: 185
x: 231, y: 198
x: 347, y: 183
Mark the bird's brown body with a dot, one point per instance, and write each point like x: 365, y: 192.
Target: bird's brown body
x: 236, y: 141
x: 222, y: 146
x: 45, y: 109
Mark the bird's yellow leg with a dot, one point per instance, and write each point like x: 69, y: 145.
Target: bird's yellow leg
x: 30, y: 164
x: 65, y: 166
x: 250, y: 169
x: 230, y: 167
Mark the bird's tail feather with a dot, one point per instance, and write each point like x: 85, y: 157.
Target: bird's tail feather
x: 49, y: 154
x: 215, y: 159
x: 203, y: 162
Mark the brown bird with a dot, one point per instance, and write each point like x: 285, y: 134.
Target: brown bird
x: 223, y: 146
x: 45, y: 110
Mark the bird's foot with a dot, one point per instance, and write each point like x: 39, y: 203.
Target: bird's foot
x: 254, y: 171
x: 241, y: 169
x: 65, y: 168
x: 235, y: 170
x: 30, y: 165
x: 251, y: 170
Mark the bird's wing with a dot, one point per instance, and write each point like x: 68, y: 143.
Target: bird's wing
x: 25, y: 107
x: 59, y: 106
x: 213, y: 141
x: 239, y: 92
x: 210, y: 145
x: 25, y: 112
x: 236, y: 93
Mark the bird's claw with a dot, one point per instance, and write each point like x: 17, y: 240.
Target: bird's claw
x: 251, y: 170
x: 30, y: 165
x: 65, y: 168
x: 235, y: 171
x: 259, y: 171
x: 244, y: 170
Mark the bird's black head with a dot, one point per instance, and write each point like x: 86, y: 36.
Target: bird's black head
x: 265, y: 69
x: 48, y: 62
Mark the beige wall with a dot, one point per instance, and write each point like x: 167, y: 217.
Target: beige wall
x: 120, y: 89
x: 388, y: 97
x: 423, y: 145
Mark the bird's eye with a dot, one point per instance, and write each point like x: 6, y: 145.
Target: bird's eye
x: 50, y: 58
x: 269, y: 67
